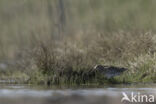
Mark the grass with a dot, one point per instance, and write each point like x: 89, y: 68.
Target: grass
x: 142, y: 70
x: 71, y: 64
x: 59, y: 42
x: 15, y: 77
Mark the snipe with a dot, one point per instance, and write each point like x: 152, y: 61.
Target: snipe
x: 109, y: 71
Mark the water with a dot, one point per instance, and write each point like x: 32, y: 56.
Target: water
x: 27, y: 94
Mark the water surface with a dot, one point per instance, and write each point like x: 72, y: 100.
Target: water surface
x: 28, y: 94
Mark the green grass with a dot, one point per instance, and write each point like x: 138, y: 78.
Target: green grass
x: 43, y: 39
x: 142, y: 70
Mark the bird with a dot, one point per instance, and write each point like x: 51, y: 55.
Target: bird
x: 109, y: 71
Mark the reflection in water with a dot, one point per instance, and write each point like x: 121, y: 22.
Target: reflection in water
x: 28, y: 95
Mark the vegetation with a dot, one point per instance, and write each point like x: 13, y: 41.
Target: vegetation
x: 59, y: 42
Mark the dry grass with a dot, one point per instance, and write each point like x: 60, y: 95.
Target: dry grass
x: 53, y: 36
x: 71, y: 60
